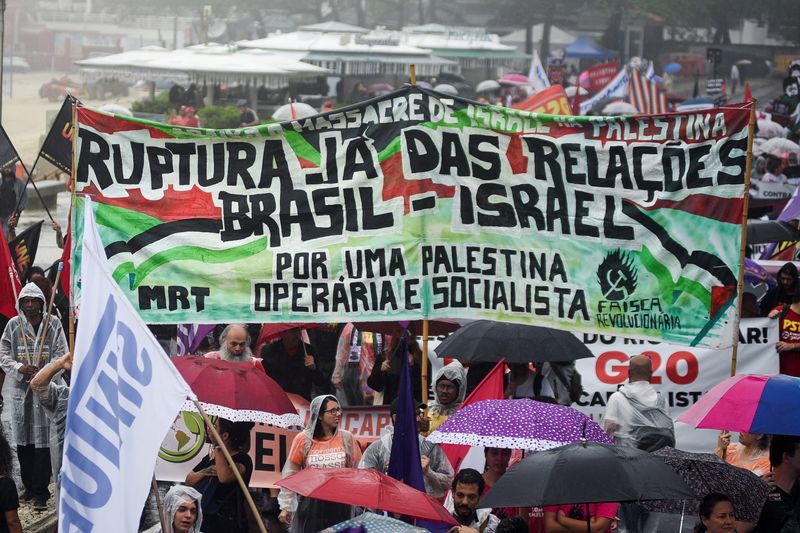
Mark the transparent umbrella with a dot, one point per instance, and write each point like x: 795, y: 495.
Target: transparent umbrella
x: 301, y: 110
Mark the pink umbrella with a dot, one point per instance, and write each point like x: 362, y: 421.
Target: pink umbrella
x: 751, y: 403
x: 514, y: 79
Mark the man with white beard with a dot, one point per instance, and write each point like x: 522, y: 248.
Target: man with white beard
x: 234, y: 346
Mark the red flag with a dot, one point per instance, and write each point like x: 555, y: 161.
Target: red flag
x: 576, y: 103
x: 10, y: 284
x: 748, y: 94
x: 491, y: 388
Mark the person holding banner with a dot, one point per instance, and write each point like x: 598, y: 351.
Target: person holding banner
x: 320, y: 445
x: 12, y: 197
x: 223, y: 503
x: 28, y: 342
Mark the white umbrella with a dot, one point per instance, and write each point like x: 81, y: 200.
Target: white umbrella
x: 116, y: 109
x: 768, y: 129
x: 778, y: 147
x: 620, y: 108
x: 446, y: 88
x: 487, y: 86
x: 571, y: 91
x: 301, y: 110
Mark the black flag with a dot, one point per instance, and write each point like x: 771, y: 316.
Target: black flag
x: 57, y: 146
x: 8, y: 154
x: 23, y: 249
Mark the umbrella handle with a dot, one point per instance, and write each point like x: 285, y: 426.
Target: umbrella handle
x: 683, y: 514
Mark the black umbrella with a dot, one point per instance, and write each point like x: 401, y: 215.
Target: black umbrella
x: 706, y: 473
x: 488, y: 341
x: 765, y: 231
x: 587, y: 472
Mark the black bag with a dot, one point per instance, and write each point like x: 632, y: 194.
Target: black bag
x: 651, y: 437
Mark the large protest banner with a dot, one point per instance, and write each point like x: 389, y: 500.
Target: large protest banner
x: 681, y: 374
x: 417, y: 204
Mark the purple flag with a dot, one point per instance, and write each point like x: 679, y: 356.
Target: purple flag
x: 190, y: 336
x: 404, y: 462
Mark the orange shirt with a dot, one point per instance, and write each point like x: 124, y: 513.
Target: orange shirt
x: 324, y: 453
x: 758, y: 465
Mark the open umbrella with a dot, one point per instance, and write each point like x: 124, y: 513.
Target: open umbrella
x: 570, y: 91
x: 620, y: 108
x: 374, y: 523
x: 514, y: 79
x: 488, y: 341
x: 751, y: 403
x: 487, y: 86
x: 517, y: 424
x: 695, y: 104
x: 586, y: 472
x: 368, y: 488
x: 768, y: 129
x: 377, y: 89
x: 755, y: 274
x: 673, y: 68
x: 705, y: 473
x: 236, y: 391
x: 396, y: 329
x: 777, y: 147
x: 446, y: 88
x: 301, y: 110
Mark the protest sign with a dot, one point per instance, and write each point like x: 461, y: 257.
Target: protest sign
x: 419, y: 204
x: 681, y: 374
x: 185, y: 445
x: 552, y: 100
x: 599, y: 76
x: 124, y: 395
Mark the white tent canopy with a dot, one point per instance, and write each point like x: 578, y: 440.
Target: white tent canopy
x: 558, y: 37
x: 211, y: 63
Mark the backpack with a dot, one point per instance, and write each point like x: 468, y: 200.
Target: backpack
x: 651, y: 437
x: 568, y: 375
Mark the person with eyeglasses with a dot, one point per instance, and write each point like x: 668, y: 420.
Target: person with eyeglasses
x: 449, y: 390
x: 322, y: 444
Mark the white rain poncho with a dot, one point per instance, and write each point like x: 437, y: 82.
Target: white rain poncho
x: 177, y: 495
x: 19, y: 346
x: 621, y: 418
x: 437, y: 411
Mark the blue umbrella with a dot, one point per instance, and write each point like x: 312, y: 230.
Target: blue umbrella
x: 373, y: 523
x: 673, y: 68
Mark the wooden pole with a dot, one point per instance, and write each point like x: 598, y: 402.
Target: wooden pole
x: 71, y: 228
x: 413, y: 74
x: 161, y: 517
x: 218, y: 441
x: 743, y: 242
x: 425, y: 328
x: 49, y: 314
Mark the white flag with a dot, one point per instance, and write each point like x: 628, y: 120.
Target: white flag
x: 538, y: 75
x: 616, y: 88
x: 125, y: 394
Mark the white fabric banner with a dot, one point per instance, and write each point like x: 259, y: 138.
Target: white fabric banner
x: 125, y: 394
x: 616, y: 88
x: 537, y: 74
x: 681, y: 373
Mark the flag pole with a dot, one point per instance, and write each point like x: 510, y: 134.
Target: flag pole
x: 161, y: 517
x: 413, y: 74
x: 743, y: 241
x: 71, y: 229
x: 229, y: 459
x: 35, y: 188
x: 46, y: 325
x: 424, y: 365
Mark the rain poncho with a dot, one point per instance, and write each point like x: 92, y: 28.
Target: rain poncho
x: 438, y: 412
x: 173, y: 499
x: 18, y: 348
x: 440, y: 472
x: 621, y: 419
x: 308, y: 514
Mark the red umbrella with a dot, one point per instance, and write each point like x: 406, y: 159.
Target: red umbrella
x: 273, y: 330
x: 396, y: 329
x: 369, y: 488
x: 236, y: 391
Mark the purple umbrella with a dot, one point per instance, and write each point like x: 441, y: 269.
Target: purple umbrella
x: 518, y: 424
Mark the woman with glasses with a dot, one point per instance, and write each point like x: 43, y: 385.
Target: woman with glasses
x: 320, y: 445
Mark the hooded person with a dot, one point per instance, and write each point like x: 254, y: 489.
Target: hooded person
x: 437, y: 473
x: 783, y: 292
x: 449, y: 391
x: 182, y: 511
x: 29, y: 342
x: 320, y: 445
